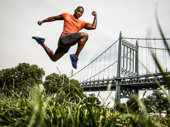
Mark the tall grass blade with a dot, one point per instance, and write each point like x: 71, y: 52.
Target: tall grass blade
x: 161, y: 31
x: 166, y: 79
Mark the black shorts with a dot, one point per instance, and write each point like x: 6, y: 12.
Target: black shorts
x: 66, y: 41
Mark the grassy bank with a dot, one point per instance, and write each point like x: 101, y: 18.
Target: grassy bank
x: 38, y: 109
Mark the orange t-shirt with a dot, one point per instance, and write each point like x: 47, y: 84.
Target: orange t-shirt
x: 71, y: 24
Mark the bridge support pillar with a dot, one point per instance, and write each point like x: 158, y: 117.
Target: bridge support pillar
x: 137, y: 93
x: 117, y: 96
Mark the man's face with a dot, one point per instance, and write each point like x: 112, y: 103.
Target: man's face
x: 78, y: 12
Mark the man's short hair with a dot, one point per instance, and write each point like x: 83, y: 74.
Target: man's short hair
x: 80, y: 7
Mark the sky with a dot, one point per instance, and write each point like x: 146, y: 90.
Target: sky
x: 18, y: 23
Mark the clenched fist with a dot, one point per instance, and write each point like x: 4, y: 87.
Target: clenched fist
x: 94, y: 13
x: 39, y: 22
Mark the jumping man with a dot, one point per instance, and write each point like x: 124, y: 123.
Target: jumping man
x: 70, y: 35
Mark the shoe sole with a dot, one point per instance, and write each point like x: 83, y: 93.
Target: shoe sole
x: 38, y: 37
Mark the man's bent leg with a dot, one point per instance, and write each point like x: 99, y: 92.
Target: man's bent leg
x: 57, y: 56
x: 53, y: 57
x: 81, y: 43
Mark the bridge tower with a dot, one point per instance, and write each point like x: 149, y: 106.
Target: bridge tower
x: 127, y: 66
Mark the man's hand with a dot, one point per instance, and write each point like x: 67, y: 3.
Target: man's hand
x: 94, y: 13
x: 92, y: 26
x: 39, y: 22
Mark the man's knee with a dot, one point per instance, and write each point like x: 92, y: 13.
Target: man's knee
x: 56, y: 57
x: 84, y: 35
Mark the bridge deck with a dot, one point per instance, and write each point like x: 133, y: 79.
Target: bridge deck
x: 140, y: 82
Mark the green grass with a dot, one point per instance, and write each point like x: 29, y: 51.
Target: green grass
x: 41, y: 110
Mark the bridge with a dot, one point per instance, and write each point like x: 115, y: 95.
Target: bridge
x: 126, y: 66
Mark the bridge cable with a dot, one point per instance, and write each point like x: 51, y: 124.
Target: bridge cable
x: 146, y: 38
x: 104, y: 63
x: 153, y: 48
x: 166, y: 62
x: 155, y: 55
x: 146, y: 56
x: 109, y: 62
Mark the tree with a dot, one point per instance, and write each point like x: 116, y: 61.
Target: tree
x: 73, y: 89
x: 19, y: 77
x: 93, y: 99
x: 156, y: 102
x: 53, y: 83
x: 132, y: 103
x: 62, y: 86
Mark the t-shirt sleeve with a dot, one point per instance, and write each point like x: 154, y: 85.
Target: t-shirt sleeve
x: 63, y: 15
x: 83, y: 24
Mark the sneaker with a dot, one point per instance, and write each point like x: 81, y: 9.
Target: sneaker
x: 73, y: 60
x: 40, y: 40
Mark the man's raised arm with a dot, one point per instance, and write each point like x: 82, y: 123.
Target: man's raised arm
x: 50, y: 19
x: 92, y: 26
